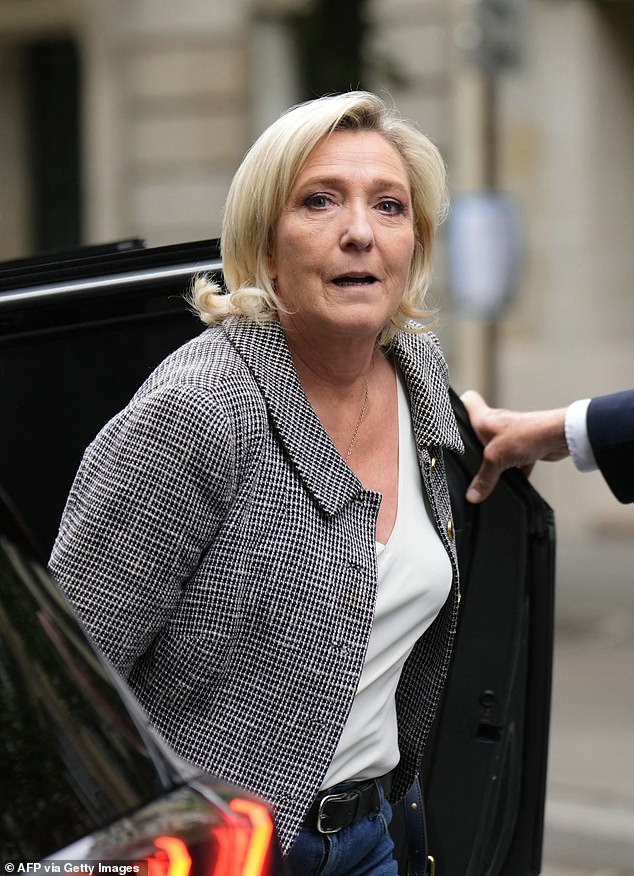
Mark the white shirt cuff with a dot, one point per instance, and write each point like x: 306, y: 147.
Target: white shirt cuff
x: 577, y: 436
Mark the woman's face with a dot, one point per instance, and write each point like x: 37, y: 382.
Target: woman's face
x: 344, y: 242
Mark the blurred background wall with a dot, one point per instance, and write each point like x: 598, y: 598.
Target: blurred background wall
x: 127, y: 118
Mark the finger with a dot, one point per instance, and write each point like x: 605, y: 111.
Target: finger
x: 483, y: 483
x: 477, y: 410
x: 473, y: 402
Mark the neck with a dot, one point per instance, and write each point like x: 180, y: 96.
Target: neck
x: 334, y: 363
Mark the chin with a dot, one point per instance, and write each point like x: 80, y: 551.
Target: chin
x: 362, y: 325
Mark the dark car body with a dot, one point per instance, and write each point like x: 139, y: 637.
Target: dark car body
x: 83, y: 778
x: 78, y: 335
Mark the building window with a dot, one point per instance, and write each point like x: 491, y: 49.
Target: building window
x: 52, y: 79
x: 330, y: 41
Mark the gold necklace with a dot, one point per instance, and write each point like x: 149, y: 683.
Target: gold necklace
x: 364, y: 408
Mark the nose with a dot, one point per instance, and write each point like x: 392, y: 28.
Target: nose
x: 357, y: 232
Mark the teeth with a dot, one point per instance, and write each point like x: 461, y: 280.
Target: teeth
x: 353, y: 281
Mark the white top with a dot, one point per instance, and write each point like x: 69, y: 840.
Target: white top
x: 577, y: 439
x: 414, y: 579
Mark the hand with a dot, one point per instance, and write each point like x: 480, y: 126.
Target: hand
x: 512, y: 440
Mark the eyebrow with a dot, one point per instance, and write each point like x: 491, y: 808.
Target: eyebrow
x: 336, y: 182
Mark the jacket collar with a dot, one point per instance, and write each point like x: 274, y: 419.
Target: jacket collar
x: 265, y: 352
x: 426, y: 376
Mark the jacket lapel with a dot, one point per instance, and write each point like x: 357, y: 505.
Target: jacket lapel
x: 425, y: 372
x: 263, y: 348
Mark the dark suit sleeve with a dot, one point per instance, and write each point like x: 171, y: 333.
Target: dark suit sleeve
x: 610, y: 422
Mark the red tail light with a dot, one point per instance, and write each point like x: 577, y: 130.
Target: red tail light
x: 238, y: 845
x: 171, y: 858
x: 187, y: 833
x: 259, y: 837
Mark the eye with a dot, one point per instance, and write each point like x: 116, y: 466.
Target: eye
x: 391, y: 206
x: 318, y: 201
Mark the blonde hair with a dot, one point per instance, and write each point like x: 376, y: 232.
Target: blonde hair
x: 263, y: 182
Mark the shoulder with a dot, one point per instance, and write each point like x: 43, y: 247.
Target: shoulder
x: 199, y: 402
x: 434, y: 349
x: 207, y: 361
x: 206, y: 376
x: 421, y: 350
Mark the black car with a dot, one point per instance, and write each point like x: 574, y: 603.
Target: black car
x: 79, y: 332
x: 83, y: 777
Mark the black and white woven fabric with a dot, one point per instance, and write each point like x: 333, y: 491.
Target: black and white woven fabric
x: 222, y: 555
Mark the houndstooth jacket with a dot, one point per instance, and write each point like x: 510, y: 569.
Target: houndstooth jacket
x: 222, y: 555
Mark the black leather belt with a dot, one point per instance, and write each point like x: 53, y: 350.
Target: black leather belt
x: 337, y: 808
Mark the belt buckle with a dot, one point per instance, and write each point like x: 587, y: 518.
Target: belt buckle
x: 321, y: 815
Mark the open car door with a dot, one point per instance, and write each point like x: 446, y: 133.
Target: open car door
x: 78, y: 335
x: 484, y: 774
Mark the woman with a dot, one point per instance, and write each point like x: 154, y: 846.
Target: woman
x: 266, y: 528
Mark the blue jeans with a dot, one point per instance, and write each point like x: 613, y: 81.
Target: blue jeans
x: 363, y: 849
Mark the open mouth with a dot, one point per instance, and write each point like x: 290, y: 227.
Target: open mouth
x: 354, y: 281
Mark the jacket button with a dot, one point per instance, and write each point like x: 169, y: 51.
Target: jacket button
x: 432, y: 463
x: 450, y: 531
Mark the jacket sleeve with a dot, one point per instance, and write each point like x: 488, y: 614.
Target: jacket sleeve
x: 150, y: 493
x: 610, y: 423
